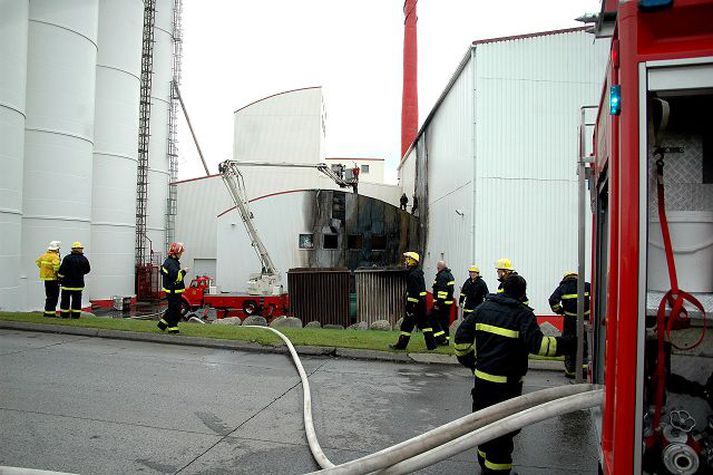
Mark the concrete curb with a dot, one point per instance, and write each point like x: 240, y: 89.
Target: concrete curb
x: 400, y: 357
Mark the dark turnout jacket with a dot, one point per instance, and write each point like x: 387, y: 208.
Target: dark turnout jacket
x: 502, y: 332
x: 415, y: 291
x: 472, y: 293
x: 172, y: 276
x: 443, y: 287
x: 72, y: 271
x: 564, y: 299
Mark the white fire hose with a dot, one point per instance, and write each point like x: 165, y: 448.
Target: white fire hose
x: 454, y: 437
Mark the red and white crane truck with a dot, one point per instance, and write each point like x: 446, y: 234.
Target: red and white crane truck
x: 265, y: 293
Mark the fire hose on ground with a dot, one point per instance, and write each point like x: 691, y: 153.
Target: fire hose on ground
x: 454, y: 437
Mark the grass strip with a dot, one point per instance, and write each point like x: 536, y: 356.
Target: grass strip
x: 358, y: 339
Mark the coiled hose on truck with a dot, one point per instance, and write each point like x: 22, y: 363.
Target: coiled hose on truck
x: 454, y: 437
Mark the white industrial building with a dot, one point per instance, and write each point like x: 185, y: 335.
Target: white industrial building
x: 283, y: 129
x: 69, y: 135
x: 494, y: 164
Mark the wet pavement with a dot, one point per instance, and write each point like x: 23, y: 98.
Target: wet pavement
x: 89, y: 405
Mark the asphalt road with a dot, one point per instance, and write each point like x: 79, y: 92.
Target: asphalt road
x: 94, y: 406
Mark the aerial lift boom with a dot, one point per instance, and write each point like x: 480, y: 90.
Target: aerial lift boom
x: 269, y: 281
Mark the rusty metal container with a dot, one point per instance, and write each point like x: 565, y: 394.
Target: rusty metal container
x: 319, y: 294
x: 380, y: 294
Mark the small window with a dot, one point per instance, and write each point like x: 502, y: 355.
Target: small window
x: 306, y: 241
x: 378, y: 242
x: 365, y: 169
x: 330, y: 241
x: 355, y: 241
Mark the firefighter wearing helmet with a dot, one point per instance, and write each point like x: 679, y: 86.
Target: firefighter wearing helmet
x: 564, y: 302
x: 415, y: 309
x: 505, y: 269
x: 48, y: 263
x: 443, y: 287
x: 173, y: 286
x: 71, y: 275
x: 504, y: 331
x: 473, y: 291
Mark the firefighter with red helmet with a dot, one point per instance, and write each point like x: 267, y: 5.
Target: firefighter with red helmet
x: 71, y: 275
x: 504, y: 331
x: 415, y: 305
x: 443, y: 287
x: 173, y: 286
x: 564, y: 302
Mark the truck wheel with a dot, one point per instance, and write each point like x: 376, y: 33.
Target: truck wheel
x: 251, y: 307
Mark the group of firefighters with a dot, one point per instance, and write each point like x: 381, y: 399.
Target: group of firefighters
x: 65, y: 276
x: 501, y: 326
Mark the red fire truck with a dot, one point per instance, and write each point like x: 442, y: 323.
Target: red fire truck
x: 198, y: 296
x: 651, y: 192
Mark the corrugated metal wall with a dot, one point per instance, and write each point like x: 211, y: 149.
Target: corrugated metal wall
x: 320, y: 295
x: 528, y: 94
x: 449, y: 143
x: 380, y: 294
x: 501, y: 150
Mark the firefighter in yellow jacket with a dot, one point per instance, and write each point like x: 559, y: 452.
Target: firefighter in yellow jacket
x: 48, y: 264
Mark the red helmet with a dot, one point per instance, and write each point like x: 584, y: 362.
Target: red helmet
x: 175, y: 248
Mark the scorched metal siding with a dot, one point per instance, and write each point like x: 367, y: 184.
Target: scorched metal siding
x: 449, y: 145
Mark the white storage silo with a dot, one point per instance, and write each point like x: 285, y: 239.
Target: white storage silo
x: 116, y: 125
x: 59, y: 132
x: 13, y: 51
x: 158, y: 172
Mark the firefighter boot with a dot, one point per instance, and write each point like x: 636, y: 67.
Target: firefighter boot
x: 162, y: 324
x: 430, y: 340
x: 173, y: 329
x: 402, y: 343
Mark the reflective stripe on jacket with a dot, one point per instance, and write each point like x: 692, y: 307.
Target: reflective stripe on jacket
x: 564, y: 299
x: 443, y: 287
x: 172, y: 276
x: 49, y: 265
x: 415, y: 290
x: 495, y: 339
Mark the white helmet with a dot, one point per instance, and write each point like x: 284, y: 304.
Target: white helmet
x: 54, y: 245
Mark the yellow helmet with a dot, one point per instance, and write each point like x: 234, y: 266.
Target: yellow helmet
x: 569, y: 274
x: 77, y: 245
x: 504, y: 264
x: 474, y: 268
x: 412, y: 255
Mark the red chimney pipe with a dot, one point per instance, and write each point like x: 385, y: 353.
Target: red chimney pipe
x: 409, y: 98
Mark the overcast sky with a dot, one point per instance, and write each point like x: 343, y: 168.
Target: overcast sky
x: 238, y: 51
